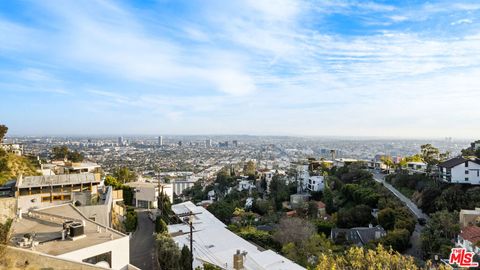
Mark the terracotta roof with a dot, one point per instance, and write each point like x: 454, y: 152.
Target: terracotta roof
x: 471, y: 233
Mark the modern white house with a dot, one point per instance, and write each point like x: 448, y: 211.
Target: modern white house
x: 65, y: 232
x: 460, y: 170
x: 315, y: 183
x: 145, y: 194
x: 213, y: 243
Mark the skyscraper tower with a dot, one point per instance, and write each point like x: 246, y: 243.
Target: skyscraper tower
x: 120, y: 141
x: 160, y: 140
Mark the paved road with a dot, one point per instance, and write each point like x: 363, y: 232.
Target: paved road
x: 415, y: 249
x: 410, y: 205
x: 142, y: 243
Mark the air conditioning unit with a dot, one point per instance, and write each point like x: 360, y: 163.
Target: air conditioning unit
x: 76, y: 229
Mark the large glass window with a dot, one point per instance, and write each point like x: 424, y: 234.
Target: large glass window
x: 104, y: 257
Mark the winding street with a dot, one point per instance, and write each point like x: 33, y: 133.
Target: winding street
x: 415, y: 249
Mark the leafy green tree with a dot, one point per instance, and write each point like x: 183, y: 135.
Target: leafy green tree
x: 185, y: 258
x: 324, y: 226
x: 168, y: 253
x: 130, y: 220
x: 328, y: 200
x: 397, y: 239
x: 222, y: 210
x: 60, y: 152
x: 3, y: 132
x: 261, y: 238
x: 386, y: 218
x: 160, y: 225
x: 75, y: 156
x: 312, y: 211
x: 438, y: 233
x: 311, y: 248
x: 112, y: 181
x: 127, y: 195
x: 124, y: 175
x: 358, y: 216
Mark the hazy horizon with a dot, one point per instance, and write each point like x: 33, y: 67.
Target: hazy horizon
x: 389, y: 69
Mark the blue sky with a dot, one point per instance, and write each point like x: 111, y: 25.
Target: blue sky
x: 341, y: 67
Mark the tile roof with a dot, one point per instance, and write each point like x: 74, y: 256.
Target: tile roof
x: 452, y: 162
x: 471, y: 233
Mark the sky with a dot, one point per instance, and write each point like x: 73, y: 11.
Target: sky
x: 261, y: 67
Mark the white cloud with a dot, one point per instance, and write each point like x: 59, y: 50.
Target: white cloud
x: 462, y: 21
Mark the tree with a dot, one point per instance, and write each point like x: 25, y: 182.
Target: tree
x: 60, y: 152
x: 168, y: 253
x: 75, y: 156
x: 124, y: 175
x: 3, y: 132
x: 306, y: 253
x: 432, y: 156
x: 386, y: 218
x: 358, y: 216
x: 160, y: 225
x: 130, y: 220
x: 250, y: 169
x: 312, y: 211
x: 397, y: 239
x: 293, y: 230
x: 387, y: 161
x: 112, y: 181
x: 438, y: 233
x: 363, y: 259
x: 185, y: 258
x: 222, y: 210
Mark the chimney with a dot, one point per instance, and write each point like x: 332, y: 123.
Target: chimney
x: 238, y: 260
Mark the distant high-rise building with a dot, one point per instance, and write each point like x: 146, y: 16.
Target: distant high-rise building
x: 208, y: 143
x: 160, y: 140
x: 180, y: 143
x: 120, y: 141
x: 235, y: 143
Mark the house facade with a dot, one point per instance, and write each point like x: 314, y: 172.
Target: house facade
x: 460, y: 170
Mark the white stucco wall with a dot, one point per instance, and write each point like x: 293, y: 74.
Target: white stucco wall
x: 120, y: 249
x: 458, y: 173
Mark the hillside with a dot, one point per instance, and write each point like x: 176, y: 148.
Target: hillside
x: 12, y: 165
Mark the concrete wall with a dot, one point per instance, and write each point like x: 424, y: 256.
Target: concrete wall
x: 101, y: 213
x: 16, y: 258
x: 120, y: 249
x: 8, y: 208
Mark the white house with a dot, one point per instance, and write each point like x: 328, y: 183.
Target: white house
x: 315, y: 183
x: 416, y: 167
x: 64, y: 232
x: 460, y: 170
x: 245, y: 185
x: 213, y: 243
x: 146, y: 194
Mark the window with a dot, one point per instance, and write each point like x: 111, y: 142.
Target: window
x: 466, y: 164
x: 466, y: 171
x: 46, y: 199
x: 466, y: 178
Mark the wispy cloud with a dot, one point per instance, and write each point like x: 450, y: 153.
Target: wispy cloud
x: 276, y: 62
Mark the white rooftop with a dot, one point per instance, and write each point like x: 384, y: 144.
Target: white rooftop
x: 215, y: 244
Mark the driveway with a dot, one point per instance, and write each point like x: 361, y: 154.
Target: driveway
x: 142, y: 243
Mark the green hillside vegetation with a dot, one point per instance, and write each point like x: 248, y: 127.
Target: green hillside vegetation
x: 11, y: 166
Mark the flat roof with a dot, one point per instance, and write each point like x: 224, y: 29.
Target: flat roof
x: 57, y: 180
x: 146, y: 184
x: 215, y: 244
x: 48, y: 232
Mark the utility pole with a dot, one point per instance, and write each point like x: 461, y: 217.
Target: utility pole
x: 190, y: 221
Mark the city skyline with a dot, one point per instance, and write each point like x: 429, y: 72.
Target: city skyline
x: 301, y: 68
